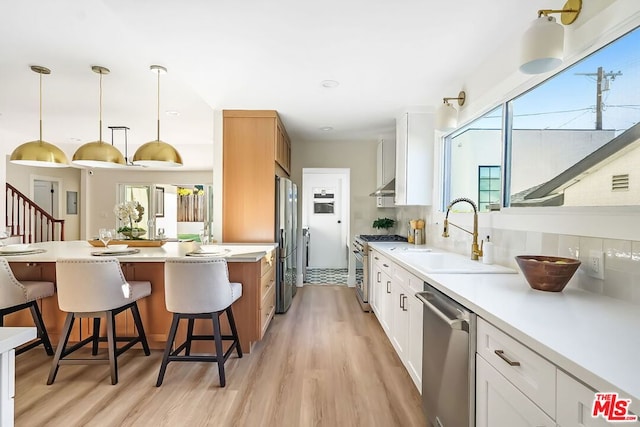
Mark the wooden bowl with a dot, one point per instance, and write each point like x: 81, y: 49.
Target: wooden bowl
x: 547, y: 273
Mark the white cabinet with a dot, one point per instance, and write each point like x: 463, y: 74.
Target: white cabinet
x: 414, y: 159
x: 526, y: 370
x: 386, y: 170
x: 399, y: 312
x: 500, y: 403
x: 575, y: 402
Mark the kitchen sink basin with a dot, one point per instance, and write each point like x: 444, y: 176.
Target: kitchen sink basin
x: 449, y: 263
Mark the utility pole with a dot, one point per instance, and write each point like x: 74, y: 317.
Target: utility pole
x: 601, y: 77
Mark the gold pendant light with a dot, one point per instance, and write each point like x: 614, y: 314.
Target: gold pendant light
x: 39, y: 153
x: 99, y: 154
x: 157, y: 153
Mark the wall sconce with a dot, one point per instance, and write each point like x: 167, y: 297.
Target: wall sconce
x: 447, y: 115
x: 543, y: 43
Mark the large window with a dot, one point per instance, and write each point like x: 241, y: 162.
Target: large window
x: 566, y: 142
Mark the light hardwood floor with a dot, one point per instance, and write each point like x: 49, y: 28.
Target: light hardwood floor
x: 324, y: 363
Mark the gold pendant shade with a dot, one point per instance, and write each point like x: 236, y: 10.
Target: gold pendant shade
x: 39, y: 153
x: 157, y: 153
x: 99, y: 154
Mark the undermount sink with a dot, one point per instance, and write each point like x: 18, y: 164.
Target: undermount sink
x: 449, y: 263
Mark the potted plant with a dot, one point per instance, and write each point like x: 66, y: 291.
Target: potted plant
x: 130, y: 213
x: 383, y: 224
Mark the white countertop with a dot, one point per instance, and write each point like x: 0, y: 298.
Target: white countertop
x: 238, y: 252
x: 593, y: 337
x: 14, y: 337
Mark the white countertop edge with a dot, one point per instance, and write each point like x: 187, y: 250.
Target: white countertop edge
x: 12, y: 337
x: 589, y: 361
x: 238, y: 252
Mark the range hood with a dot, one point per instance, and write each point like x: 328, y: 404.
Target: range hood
x: 387, y: 190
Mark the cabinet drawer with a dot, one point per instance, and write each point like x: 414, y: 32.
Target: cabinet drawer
x: 266, y: 283
x: 575, y: 401
x: 267, y: 310
x: 528, y: 371
x: 266, y: 263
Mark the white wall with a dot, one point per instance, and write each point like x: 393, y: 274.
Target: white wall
x: 20, y: 178
x: 101, y: 191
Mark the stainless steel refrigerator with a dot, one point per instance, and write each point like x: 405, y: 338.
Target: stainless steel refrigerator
x: 286, y: 236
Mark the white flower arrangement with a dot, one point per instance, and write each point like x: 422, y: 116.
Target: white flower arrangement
x: 129, y: 212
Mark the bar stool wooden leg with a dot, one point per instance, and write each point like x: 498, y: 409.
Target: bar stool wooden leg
x: 234, y: 331
x: 187, y: 350
x: 96, y: 336
x: 42, y: 331
x: 64, y: 339
x: 111, y: 340
x: 219, y: 353
x: 138, y: 321
x: 167, y: 349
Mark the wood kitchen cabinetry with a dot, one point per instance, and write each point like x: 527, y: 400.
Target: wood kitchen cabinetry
x: 253, y: 311
x: 414, y: 159
x: 256, y: 148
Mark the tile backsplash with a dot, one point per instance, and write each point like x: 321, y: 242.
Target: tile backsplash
x: 621, y: 257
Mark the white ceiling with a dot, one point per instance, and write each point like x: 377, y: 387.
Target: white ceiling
x: 253, y: 54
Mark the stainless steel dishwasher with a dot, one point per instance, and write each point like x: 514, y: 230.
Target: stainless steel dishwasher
x: 448, y: 360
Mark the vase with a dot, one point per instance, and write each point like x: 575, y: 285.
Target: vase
x: 129, y: 234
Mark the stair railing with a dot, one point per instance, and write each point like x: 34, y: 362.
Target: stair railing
x: 29, y: 221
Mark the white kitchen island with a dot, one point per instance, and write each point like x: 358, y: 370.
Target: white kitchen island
x: 249, y: 264
x: 10, y: 338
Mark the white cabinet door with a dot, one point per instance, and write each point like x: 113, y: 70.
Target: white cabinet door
x: 414, y: 348
x: 375, y: 278
x: 386, y: 304
x: 575, y: 402
x: 414, y: 159
x: 400, y: 331
x: 500, y: 404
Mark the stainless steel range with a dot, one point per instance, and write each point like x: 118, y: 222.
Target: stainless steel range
x: 361, y: 252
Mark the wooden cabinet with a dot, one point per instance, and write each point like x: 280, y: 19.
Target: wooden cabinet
x: 253, y: 311
x: 256, y: 148
x: 267, y: 292
x: 500, y: 403
x: 414, y: 159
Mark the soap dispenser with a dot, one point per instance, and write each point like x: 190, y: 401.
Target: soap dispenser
x: 487, y: 252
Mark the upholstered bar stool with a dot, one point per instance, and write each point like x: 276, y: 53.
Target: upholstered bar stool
x: 16, y: 295
x: 199, y: 288
x: 96, y: 288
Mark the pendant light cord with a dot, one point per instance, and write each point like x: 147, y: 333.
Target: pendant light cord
x: 40, y: 107
x: 158, y: 138
x: 100, y: 110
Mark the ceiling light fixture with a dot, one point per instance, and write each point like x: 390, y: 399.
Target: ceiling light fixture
x: 329, y: 83
x: 543, y: 43
x: 99, y: 154
x: 326, y: 129
x: 157, y: 153
x: 447, y: 115
x: 39, y: 153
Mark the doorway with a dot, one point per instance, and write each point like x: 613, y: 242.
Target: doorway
x: 45, y: 192
x: 325, y: 213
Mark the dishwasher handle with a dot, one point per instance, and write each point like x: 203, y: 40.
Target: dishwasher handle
x: 458, y: 324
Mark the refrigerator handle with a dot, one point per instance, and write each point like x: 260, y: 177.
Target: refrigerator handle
x: 283, y: 252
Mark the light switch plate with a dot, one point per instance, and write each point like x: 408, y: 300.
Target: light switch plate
x: 595, y: 265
